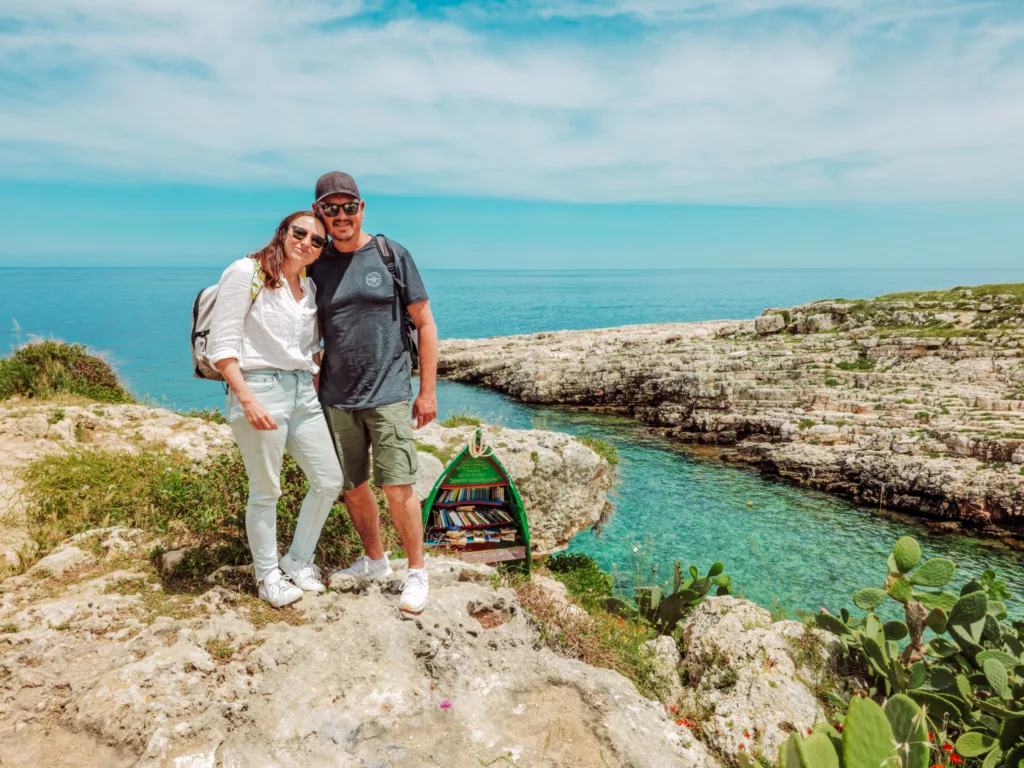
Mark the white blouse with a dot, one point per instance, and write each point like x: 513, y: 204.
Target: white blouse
x: 278, y: 332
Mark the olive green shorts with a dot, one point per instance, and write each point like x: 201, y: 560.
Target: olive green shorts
x: 387, y: 431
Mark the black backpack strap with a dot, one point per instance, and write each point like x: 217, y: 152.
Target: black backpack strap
x: 388, y: 258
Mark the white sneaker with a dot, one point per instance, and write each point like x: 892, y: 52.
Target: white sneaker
x: 305, y: 576
x: 278, y: 591
x: 414, y: 593
x: 365, y: 568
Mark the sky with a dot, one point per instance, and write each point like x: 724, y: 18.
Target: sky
x: 521, y: 133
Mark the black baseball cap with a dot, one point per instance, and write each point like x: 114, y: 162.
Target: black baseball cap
x: 335, y: 183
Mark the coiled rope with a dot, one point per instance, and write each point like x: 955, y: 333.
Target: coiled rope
x: 476, y: 446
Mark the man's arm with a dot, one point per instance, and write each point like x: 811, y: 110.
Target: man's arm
x: 424, y: 409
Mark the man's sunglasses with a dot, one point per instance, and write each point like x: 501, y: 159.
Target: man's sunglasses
x: 331, y: 209
x: 315, y: 240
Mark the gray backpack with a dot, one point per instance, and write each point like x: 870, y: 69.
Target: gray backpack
x: 202, y: 319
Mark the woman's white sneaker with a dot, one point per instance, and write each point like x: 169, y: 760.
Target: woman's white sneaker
x: 414, y: 593
x: 365, y: 568
x: 305, y: 576
x: 278, y: 591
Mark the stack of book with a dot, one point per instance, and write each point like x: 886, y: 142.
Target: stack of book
x: 470, y: 516
x: 493, y: 493
x: 461, y: 538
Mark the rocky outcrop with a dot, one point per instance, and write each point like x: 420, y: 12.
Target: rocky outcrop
x: 751, y: 680
x: 102, y: 663
x: 915, y: 402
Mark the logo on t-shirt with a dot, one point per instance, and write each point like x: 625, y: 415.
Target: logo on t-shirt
x: 373, y: 279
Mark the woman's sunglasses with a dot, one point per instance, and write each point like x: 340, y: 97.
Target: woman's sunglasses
x: 315, y: 240
x: 331, y: 209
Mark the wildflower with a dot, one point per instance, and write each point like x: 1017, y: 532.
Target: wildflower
x: 446, y: 704
x: 746, y: 734
x: 956, y: 759
x: 743, y: 746
x: 673, y: 708
x: 839, y: 727
x: 931, y: 736
x: 809, y: 731
x: 947, y: 747
x: 622, y: 621
x: 681, y: 722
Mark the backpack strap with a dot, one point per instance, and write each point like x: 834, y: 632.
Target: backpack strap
x: 388, y: 258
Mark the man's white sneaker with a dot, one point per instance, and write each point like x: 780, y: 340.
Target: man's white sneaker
x: 414, y: 593
x: 305, y: 576
x: 278, y: 591
x: 365, y: 568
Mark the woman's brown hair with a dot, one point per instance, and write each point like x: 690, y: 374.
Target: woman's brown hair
x: 271, y: 256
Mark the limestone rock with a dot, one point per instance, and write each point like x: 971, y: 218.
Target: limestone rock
x: 348, y: 681
x: 665, y: 665
x: 740, y: 667
x: 766, y: 324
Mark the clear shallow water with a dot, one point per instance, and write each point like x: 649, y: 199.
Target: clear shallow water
x: 811, y: 549
x: 801, y: 549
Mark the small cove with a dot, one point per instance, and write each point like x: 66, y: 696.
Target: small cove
x: 797, y: 548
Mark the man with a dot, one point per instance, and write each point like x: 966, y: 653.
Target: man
x: 365, y: 377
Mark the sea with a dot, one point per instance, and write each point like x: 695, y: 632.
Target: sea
x: 786, y: 548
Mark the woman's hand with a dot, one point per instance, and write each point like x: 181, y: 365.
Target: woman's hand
x: 257, y: 414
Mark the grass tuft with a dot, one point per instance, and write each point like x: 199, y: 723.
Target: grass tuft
x: 461, y: 419
x: 602, y: 448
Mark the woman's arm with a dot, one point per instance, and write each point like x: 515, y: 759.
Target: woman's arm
x: 234, y: 299
x: 255, y: 412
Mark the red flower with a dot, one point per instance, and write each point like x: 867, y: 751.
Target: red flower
x: 746, y: 735
x: 956, y: 759
x: 680, y: 722
x: 743, y: 746
x: 839, y: 727
x: 947, y: 747
x: 809, y: 731
x: 673, y: 708
x: 622, y: 621
x: 931, y: 737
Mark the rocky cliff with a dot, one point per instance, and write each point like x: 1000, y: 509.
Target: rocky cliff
x: 910, y: 401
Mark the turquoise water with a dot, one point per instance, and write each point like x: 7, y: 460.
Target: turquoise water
x: 796, y: 548
x: 793, y: 548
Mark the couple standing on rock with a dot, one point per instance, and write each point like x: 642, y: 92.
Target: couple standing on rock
x: 287, y: 392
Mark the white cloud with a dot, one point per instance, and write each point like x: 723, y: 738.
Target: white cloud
x: 707, y: 101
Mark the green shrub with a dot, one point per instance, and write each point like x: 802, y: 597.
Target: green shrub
x: 47, y: 368
x: 582, y: 577
x: 602, y: 448
x: 168, y: 492
x: 832, y: 381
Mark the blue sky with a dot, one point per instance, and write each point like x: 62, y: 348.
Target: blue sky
x: 525, y: 133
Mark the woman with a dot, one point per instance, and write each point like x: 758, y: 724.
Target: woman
x: 264, y: 341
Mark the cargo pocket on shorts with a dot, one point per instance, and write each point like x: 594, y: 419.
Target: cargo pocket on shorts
x: 398, y: 462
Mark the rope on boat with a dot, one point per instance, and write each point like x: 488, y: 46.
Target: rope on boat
x: 477, y: 446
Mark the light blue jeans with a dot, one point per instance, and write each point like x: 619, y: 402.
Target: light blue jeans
x: 302, y: 431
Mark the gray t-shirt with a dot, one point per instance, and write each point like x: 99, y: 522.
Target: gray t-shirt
x: 365, y: 363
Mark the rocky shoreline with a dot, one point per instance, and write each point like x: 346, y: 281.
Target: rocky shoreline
x: 912, y: 402
x: 113, y: 653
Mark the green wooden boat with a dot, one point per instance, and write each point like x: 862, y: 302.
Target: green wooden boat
x: 474, y: 511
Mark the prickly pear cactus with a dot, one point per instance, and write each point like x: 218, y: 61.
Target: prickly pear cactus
x: 910, y: 731
x: 867, y: 736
